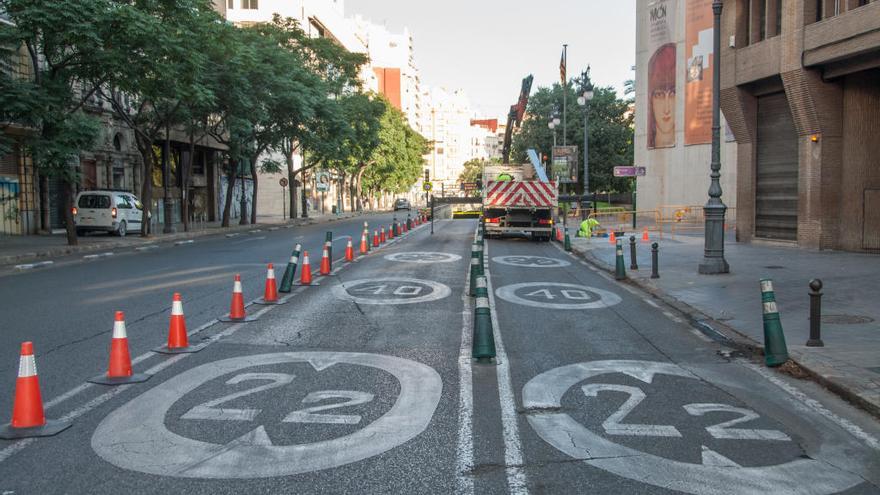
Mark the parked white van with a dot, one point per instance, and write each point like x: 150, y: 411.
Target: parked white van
x: 114, y: 212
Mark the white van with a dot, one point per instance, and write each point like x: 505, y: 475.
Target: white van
x: 114, y: 212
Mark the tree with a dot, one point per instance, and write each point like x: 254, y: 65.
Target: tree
x: 473, y: 170
x: 398, y: 159
x: 610, y: 132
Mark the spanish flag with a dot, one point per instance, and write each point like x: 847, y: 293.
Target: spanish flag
x: 562, y: 63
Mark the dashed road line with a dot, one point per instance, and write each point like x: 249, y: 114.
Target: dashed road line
x: 650, y: 302
x: 465, y: 450
x: 96, y: 256
x: 181, y: 243
x: 30, y: 266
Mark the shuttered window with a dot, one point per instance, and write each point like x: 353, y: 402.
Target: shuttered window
x: 776, y: 185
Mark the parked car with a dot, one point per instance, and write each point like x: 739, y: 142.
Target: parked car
x: 401, y: 204
x: 114, y: 212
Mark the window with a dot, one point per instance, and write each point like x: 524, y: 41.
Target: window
x: 94, y: 201
x: 230, y: 4
x: 249, y: 4
x: 122, y: 202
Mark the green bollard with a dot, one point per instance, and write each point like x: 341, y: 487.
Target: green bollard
x: 328, y: 242
x: 620, y: 267
x: 369, y: 240
x: 567, y: 241
x: 483, y: 349
x: 476, y: 271
x: 478, y: 249
x: 481, y: 290
x: 775, y: 350
x: 290, y: 271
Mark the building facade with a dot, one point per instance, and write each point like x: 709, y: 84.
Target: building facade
x: 801, y: 89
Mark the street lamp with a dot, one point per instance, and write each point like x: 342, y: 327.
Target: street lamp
x: 714, y: 211
x: 552, y: 126
x: 584, y: 101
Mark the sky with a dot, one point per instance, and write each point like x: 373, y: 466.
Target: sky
x: 486, y: 47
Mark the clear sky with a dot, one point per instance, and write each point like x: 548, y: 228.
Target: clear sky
x: 486, y: 47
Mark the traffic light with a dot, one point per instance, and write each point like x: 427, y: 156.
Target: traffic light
x: 427, y: 175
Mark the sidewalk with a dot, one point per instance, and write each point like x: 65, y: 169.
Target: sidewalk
x: 36, y: 248
x: 849, y: 364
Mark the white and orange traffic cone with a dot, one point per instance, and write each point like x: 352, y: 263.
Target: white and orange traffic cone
x: 375, y: 239
x: 349, y: 251
x: 236, y: 307
x: 612, y: 239
x: 306, y: 273
x: 178, y: 340
x: 324, y: 268
x: 391, y: 231
x: 119, y: 370
x: 645, y: 236
x: 365, y: 247
x: 28, y: 419
x: 270, y: 294
x: 381, y: 235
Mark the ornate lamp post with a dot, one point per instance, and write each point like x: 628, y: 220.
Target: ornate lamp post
x: 584, y: 101
x: 714, y: 211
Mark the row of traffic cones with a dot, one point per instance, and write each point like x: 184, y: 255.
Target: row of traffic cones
x: 612, y: 237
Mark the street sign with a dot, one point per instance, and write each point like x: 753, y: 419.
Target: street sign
x: 323, y: 181
x: 468, y: 186
x: 427, y: 186
x: 564, y: 164
x: 283, y: 182
x: 629, y: 171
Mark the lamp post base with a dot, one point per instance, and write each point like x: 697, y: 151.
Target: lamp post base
x: 713, y: 254
x: 713, y: 266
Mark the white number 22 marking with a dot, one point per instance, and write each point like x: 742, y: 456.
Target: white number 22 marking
x: 613, y: 425
x: 724, y: 430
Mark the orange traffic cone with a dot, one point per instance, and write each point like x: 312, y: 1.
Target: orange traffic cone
x: 178, y: 341
x: 375, y: 239
x: 236, y: 307
x: 270, y: 294
x: 382, y: 235
x: 645, y: 237
x: 349, y: 251
x: 612, y: 239
x: 119, y: 370
x: 306, y: 274
x: 325, y: 263
x: 391, y: 231
x: 364, y: 247
x: 27, y: 410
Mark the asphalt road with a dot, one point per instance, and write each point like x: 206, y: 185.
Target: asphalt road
x: 363, y: 384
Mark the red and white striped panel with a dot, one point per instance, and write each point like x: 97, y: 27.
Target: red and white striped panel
x: 512, y: 193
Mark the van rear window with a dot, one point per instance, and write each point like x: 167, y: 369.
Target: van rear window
x: 94, y: 201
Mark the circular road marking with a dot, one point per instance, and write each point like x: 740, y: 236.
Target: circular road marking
x: 135, y: 437
x: 531, y: 261
x: 716, y: 474
x: 568, y: 296
x: 423, y: 257
x: 396, y: 290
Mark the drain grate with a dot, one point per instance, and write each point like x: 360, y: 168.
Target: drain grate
x: 846, y: 319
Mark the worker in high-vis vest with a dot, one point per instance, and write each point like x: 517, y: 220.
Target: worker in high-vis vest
x: 587, y: 226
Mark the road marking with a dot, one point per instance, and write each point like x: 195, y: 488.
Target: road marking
x: 250, y: 239
x: 399, y: 290
x: 181, y: 243
x: 147, y: 247
x: 96, y: 256
x: 423, y: 257
x: 465, y: 451
x: 531, y: 261
x: 513, y: 458
x: 718, y: 476
x: 595, y: 298
x: 135, y: 437
x: 815, y: 405
x: 29, y: 266
x: 652, y: 303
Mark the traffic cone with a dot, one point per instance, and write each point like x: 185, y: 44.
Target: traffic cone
x: 612, y: 239
x: 270, y: 294
x: 645, y: 237
x: 290, y: 271
x: 349, y: 251
x: 119, y: 370
x: 236, y: 307
x: 391, y: 231
x: 375, y: 239
x: 382, y: 235
x: 775, y: 350
x: 367, y: 237
x: 364, y: 244
x: 306, y: 276
x: 325, y: 263
x: 178, y: 341
x: 27, y: 409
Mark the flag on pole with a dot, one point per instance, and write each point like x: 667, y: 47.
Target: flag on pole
x: 562, y: 64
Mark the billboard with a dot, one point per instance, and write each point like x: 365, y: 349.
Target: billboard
x: 564, y: 164
x: 698, y: 72
x: 661, y: 73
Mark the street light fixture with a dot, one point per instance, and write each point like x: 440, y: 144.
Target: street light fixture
x: 584, y: 101
x: 714, y: 211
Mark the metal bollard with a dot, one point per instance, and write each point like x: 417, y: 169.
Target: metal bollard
x: 633, y: 263
x: 328, y: 243
x: 815, y: 314
x: 619, y: 265
x: 655, y: 248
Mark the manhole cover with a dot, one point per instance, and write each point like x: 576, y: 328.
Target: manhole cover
x: 774, y: 267
x: 846, y: 319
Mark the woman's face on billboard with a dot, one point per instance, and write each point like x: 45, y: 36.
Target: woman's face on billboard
x: 663, y: 103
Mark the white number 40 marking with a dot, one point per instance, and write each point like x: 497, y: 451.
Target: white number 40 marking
x: 572, y: 294
x: 614, y: 424
x: 403, y: 290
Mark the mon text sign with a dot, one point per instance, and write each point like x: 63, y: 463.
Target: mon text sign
x: 629, y: 171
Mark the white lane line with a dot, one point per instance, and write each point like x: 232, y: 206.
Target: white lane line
x: 652, y: 303
x: 465, y: 451
x: 29, y: 266
x: 147, y: 247
x: 181, y: 243
x: 815, y: 405
x: 513, y: 458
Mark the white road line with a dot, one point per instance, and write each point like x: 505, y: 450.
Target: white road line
x: 513, y: 458
x: 652, y: 303
x: 465, y: 451
x: 815, y: 405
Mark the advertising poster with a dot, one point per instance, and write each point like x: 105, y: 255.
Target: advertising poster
x: 564, y: 165
x: 698, y: 81
x: 661, y: 73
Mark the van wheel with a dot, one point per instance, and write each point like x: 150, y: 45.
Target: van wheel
x: 121, y: 231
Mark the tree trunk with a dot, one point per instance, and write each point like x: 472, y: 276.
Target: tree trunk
x: 45, y: 218
x: 358, y: 188
x: 146, y: 151
x: 185, y: 176
x: 243, y: 214
x: 254, y: 159
x: 291, y: 182
x: 230, y: 185
x: 69, y: 197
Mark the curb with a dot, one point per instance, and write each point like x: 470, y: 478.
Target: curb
x: 153, y: 241
x: 731, y: 336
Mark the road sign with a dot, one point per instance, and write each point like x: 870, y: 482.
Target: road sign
x: 629, y: 171
x: 136, y: 437
x: 427, y: 186
x: 542, y: 399
x: 391, y: 291
x: 323, y: 181
x: 469, y: 186
x: 554, y: 295
x: 283, y: 182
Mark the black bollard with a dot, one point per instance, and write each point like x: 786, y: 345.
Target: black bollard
x: 815, y: 314
x: 633, y: 264
x: 654, y: 260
